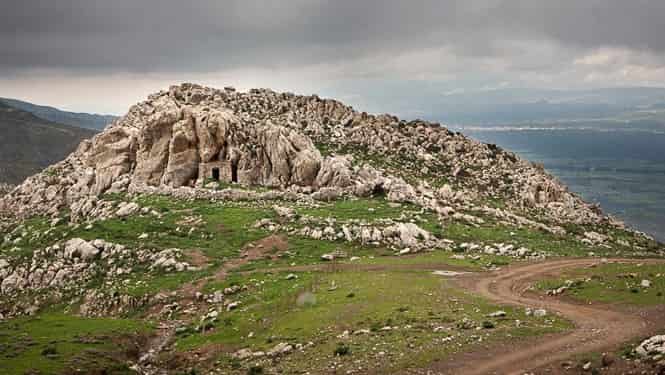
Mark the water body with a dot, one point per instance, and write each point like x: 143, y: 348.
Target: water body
x: 621, y: 169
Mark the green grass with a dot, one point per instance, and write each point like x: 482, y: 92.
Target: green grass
x: 532, y: 239
x: 224, y: 231
x: 360, y: 209
x: 439, y: 257
x: 85, y: 343
x: 308, y: 308
x: 35, y: 233
x: 307, y: 251
x: 142, y: 284
x: 613, y: 283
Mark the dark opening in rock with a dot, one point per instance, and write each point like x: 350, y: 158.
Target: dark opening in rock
x: 234, y: 173
x: 215, y: 174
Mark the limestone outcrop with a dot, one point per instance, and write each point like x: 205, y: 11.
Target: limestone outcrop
x: 190, y: 134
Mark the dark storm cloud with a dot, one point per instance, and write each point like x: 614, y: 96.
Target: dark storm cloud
x: 167, y: 36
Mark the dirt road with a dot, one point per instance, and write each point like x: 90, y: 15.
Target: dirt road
x: 596, y: 327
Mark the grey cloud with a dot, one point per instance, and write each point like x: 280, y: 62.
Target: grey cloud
x: 207, y: 35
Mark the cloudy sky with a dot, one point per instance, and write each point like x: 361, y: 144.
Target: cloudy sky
x: 102, y: 56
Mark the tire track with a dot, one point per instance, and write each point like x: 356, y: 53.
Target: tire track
x: 596, y: 327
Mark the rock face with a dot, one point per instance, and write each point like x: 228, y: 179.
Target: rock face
x: 189, y: 134
x: 167, y: 142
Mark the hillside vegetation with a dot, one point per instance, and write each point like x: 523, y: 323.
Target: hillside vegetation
x: 212, y: 231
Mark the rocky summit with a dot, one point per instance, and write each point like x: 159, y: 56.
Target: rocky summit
x: 190, y: 134
x: 217, y: 231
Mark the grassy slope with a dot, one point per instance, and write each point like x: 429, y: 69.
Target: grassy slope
x: 52, y: 342
x: 613, y: 283
x: 318, y: 307
x: 415, y: 301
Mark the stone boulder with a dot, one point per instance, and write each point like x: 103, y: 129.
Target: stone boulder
x: 400, y: 191
x: 407, y: 234
x: 79, y: 248
x: 651, y: 347
x: 336, y: 171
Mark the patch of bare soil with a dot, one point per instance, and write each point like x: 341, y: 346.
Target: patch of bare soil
x: 270, y: 246
x: 197, y: 258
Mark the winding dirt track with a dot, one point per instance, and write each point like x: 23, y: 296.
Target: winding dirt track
x: 596, y: 327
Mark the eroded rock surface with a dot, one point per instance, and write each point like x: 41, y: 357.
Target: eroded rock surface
x: 188, y: 134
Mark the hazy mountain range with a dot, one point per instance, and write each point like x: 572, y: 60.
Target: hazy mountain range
x: 29, y: 143
x: 492, y: 106
x: 81, y: 120
x: 529, y: 105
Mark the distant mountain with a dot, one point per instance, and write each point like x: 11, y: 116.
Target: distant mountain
x: 28, y: 143
x: 81, y: 120
x: 537, y: 105
x: 451, y: 104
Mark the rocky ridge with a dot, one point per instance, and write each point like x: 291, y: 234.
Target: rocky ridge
x: 271, y: 139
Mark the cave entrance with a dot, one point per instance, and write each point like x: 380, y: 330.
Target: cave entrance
x: 215, y: 174
x: 234, y: 173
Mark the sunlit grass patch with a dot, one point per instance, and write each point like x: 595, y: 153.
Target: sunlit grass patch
x: 613, y: 283
x: 471, y: 261
x: 51, y: 342
x: 420, y: 308
x: 360, y: 209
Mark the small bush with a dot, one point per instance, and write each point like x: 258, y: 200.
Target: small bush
x: 488, y: 325
x: 255, y: 370
x: 342, y: 349
x: 49, y: 351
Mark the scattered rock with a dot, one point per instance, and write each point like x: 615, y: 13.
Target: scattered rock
x: 327, y: 257
x: 651, y: 347
x: 280, y: 349
x: 80, y: 248
x: 127, y: 209
x: 497, y: 314
x: 539, y: 313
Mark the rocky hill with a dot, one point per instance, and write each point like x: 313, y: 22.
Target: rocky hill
x: 302, y: 144
x: 248, y: 226
x: 29, y: 144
